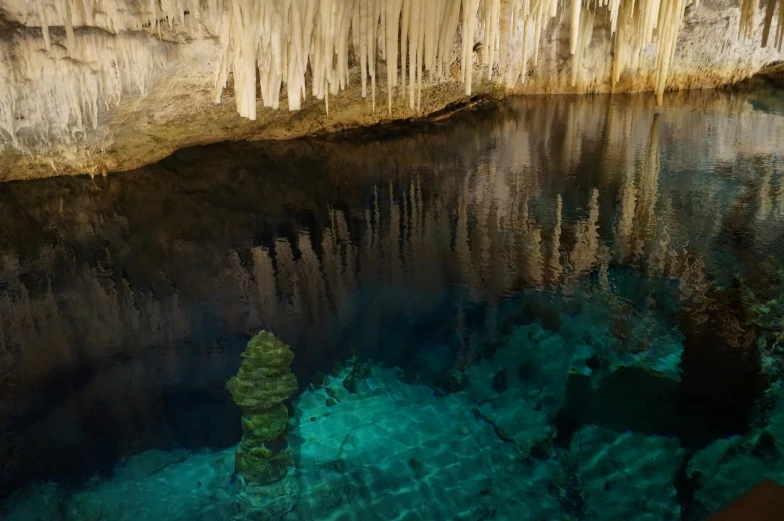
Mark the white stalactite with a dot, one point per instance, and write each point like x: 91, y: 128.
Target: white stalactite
x: 59, y: 92
x: 574, y: 25
x: 265, y: 44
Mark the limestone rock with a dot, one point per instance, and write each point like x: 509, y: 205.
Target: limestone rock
x: 730, y: 466
x: 625, y: 476
x: 98, y: 87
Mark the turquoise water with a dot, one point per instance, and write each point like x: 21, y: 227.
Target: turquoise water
x: 550, y: 309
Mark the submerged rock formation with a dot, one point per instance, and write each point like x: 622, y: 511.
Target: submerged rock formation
x: 103, y: 85
x: 263, y: 383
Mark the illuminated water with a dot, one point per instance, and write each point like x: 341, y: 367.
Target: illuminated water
x: 567, y: 304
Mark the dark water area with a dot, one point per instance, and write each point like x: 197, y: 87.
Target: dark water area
x: 646, y: 240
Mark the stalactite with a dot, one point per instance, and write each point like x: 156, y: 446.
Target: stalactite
x: 469, y: 25
x: 392, y: 21
x: 779, y: 39
x: 583, y: 41
x: 53, y: 95
x: 69, y: 32
x: 670, y: 17
x: 748, y: 9
x: 266, y: 43
x: 575, y: 25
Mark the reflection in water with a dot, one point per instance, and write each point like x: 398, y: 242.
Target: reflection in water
x: 142, y: 286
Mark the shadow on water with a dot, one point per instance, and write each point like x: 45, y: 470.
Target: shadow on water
x: 125, y: 301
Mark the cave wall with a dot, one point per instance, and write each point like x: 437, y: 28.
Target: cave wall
x: 113, y: 87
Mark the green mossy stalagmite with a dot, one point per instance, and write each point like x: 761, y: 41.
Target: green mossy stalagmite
x: 262, y: 384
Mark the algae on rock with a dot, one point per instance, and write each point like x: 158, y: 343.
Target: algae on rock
x: 263, y: 383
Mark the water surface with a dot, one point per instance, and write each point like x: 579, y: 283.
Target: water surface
x: 568, y: 277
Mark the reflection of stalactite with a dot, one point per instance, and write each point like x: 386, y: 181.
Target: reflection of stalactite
x: 660, y: 247
x: 335, y: 275
x: 312, y: 283
x: 693, y: 285
x: 512, y: 238
x: 482, y: 236
x: 287, y: 287
x: 241, y: 320
x: 463, y: 223
x: 496, y: 267
x: 464, y: 356
x: 604, y: 258
x: 505, y: 187
x: 627, y: 204
x: 532, y: 260
x: 435, y: 228
x: 583, y: 257
x: 367, y: 250
x: 348, y: 251
x: 468, y: 274
x: 330, y: 260
x: 421, y: 255
x: 394, y: 260
x: 649, y: 190
x: 778, y: 203
x: 572, y: 144
x: 536, y: 264
x: 266, y: 288
x: 417, y: 217
x: 92, y: 318
x: 764, y: 200
x: 554, y: 268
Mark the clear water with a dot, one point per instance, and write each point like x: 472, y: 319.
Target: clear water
x: 567, y: 307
